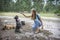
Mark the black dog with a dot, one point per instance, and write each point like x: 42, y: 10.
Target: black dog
x: 18, y: 24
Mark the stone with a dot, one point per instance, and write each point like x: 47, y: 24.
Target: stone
x: 28, y: 34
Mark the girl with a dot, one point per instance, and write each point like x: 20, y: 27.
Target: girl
x: 37, y: 21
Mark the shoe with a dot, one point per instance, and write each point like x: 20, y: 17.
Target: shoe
x: 38, y: 31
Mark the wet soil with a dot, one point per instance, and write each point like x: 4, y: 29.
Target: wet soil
x: 26, y: 33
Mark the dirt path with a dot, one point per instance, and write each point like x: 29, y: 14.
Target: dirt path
x: 26, y: 33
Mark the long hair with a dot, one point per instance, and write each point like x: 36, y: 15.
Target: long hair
x: 33, y: 16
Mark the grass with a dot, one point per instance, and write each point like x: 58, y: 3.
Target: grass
x: 11, y: 14
x: 20, y: 15
x: 48, y: 14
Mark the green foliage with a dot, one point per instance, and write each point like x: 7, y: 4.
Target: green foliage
x: 38, y: 5
x: 25, y: 5
x: 4, y: 5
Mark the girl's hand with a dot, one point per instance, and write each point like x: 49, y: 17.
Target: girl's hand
x: 22, y: 13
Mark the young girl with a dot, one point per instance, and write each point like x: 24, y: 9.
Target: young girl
x: 37, y: 21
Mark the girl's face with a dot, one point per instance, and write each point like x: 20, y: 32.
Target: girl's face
x: 33, y: 12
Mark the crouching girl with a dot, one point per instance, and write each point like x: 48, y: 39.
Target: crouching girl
x: 37, y: 21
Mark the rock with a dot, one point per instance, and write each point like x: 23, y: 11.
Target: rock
x: 18, y: 36
x: 28, y: 34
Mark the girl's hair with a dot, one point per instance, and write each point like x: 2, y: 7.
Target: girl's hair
x: 33, y: 15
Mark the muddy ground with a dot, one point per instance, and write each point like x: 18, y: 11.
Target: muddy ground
x: 26, y: 33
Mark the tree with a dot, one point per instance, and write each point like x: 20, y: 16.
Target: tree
x: 4, y: 5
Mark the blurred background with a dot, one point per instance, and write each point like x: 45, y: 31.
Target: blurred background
x: 42, y: 6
